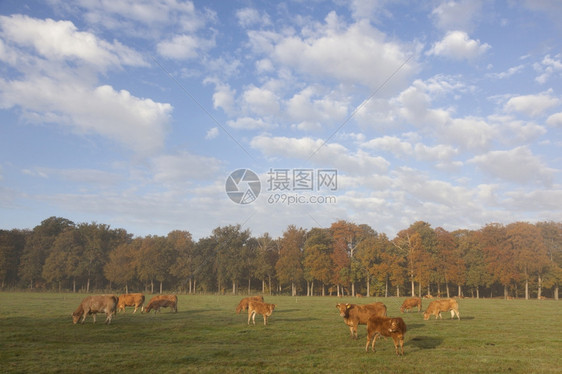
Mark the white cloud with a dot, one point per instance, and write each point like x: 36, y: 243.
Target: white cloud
x: 319, y: 153
x: 457, y: 45
x: 184, y: 47
x: 249, y: 17
x: 261, y: 101
x: 248, y: 123
x: 518, y: 165
x: 532, y: 105
x: 459, y: 15
x: 138, y: 123
x: 548, y: 67
x: 337, y: 51
x: 555, y: 120
x: 212, y: 133
x: 61, y: 41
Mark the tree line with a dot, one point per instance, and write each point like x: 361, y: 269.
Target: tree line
x: 519, y: 259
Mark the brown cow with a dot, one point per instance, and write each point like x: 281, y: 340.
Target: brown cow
x: 385, y: 326
x: 96, y: 304
x: 437, y: 306
x: 130, y: 299
x: 255, y: 307
x: 354, y: 314
x: 410, y: 303
x: 162, y: 301
x: 243, y: 305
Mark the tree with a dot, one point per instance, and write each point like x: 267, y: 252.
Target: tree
x: 499, y: 257
x: 530, y: 253
x: 317, y: 257
x: 346, y: 237
x: 37, y: 247
x: 266, y: 257
x: 11, y: 247
x: 183, y: 267
x: 551, y: 233
x: 289, y: 265
x: 450, y: 263
x: 473, y: 258
x: 122, y: 264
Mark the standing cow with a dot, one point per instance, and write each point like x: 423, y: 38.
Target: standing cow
x: 354, y: 315
x: 130, y: 299
x: 96, y: 304
x: 437, y: 306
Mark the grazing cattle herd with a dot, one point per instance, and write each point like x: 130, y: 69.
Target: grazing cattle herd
x: 373, y: 315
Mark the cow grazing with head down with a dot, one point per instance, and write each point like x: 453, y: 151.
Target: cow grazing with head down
x: 131, y: 299
x: 411, y: 303
x: 437, y: 306
x: 354, y: 314
x: 96, y: 304
x: 162, y: 301
x: 243, y: 305
x: 257, y: 307
x: 388, y: 327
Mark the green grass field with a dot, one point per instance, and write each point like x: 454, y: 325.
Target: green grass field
x: 304, y: 335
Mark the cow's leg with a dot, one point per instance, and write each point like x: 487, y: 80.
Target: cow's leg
x: 369, y: 335
x: 249, y: 317
x: 254, y: 317
x: 351, y: 331
x: 136, y: 307
x: 395, y: 341
x: 108, y: 318
x: 354, y: 331
x: 264, y: 320
x: 375, y: 341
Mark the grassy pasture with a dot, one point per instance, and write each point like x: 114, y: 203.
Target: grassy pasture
x: 304, y: 335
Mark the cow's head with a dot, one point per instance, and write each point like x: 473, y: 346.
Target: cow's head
x: 344, y: 309
x: 75, y: 318
x: 426, y: 316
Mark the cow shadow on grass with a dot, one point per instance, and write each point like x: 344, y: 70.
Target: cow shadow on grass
x: 425, y: 342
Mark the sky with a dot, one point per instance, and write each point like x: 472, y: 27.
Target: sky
x: 161, y: 115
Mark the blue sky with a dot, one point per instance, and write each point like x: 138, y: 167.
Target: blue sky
x: 135, y: 113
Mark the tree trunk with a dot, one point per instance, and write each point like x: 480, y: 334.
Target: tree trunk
x: 539, y: 294
x: 88, y: 285
x: 556, y: 292
x: 234, y: 287
x: 353, y: 289
x: 323, y: 289
x: 459, y: 291
x: 447, y: 288
x: 386, y: 287
x: 368, y: 284
x: 414, y: 289
x: 160, y: 287
x: 505, y: 293
x: 312, y: 288
x: 526, y: 289
x: 249, y: 286
x: 397, y: 291
x: 293, y: 289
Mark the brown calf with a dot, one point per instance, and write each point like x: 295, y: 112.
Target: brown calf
x: 411, y: 303
x: 162, y: 301
x: 385, y: 326
x: 257, y: 307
